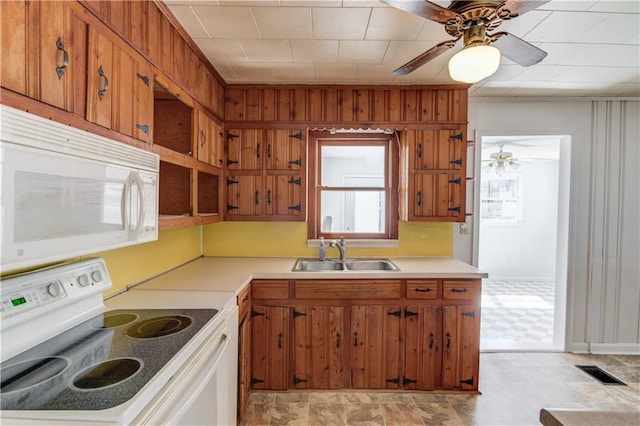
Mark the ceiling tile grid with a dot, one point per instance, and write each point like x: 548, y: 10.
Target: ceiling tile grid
x: 593, y: 46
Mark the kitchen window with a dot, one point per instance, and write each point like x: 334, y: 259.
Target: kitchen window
x: 353, y: 186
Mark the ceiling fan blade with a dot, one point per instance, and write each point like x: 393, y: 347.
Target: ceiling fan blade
x: 424, y: 8
x: 425, y: 57
x: 516, y: 49
x: 519, y: 7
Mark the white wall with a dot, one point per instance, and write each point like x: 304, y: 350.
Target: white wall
x: 603, y: 276
x: 525, y: 249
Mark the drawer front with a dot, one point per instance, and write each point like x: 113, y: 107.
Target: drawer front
x: 244, y: 301
x: 270, y: 289
x: 460, y: 290
x: 422, y: 289
x: 348, y: 289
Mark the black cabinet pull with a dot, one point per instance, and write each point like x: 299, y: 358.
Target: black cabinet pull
x: 269, y: 150
x: 448, y: 340
x: 459, y: 290
x: 419, y: 198
x: 65, y: 58
x: 258, y: 150
x: 280, y: 336
x: 422, y: 290
x: 355, y: 338
x: 269, y: 197
x: 431, y: 340
x: 338, y: 340
x: 105, y: 83
x: 419, y: 150
x: 257, y: 198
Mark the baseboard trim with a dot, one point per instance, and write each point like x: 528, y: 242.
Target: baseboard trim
x: 615, y: 348
x: 579, y: 348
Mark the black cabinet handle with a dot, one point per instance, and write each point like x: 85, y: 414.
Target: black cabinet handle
x: 269, y: 150
x: 269, y: 197
x: 257, y: 198
x: 448, y: 340
x: 355, y: 338
x: 105, y: 83
x: 65, y: 58
x: 431, y: 340
x: 280, y: 336
x: 338, y: 340
x: 258, y: 150
x: 422, y: 290
x: 419, y: 150
x: 419, y: 198
x: 459, y: 290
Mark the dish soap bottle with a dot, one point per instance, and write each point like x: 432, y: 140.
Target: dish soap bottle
x: 321, y: 250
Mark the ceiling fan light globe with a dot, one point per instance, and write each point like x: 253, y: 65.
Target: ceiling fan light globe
x: 474, y: 63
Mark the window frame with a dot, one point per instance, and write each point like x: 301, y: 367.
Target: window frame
x: 318, y: 139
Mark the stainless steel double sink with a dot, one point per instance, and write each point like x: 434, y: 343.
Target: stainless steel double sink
x: 362, y: 265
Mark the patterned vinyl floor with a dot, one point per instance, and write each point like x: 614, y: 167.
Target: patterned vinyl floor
x: 517, y: 312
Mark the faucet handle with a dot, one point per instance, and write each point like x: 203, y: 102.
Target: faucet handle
x: 343, y: 241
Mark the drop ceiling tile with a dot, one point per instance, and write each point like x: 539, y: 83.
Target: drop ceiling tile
x: 340, y: 23
x: 401, y: 52
x: 253, y: 72
x: 376, y: 73
x: 249, y: 3
x: 364, y: 3
x: 187, y: 2
x: 600, y: 74
x: 225, y: 71
x: 335, y: 72
x: 284, y: 22
x: 298, y: 72
x: 315, y: 50
x: 569, y: 5
x: 393, y: 24
x: 358, y: 52
x: 433, y: 31
x: 607, y: 55
x: 507, y: 72
x: 539, y: 72
x: 225, y: 50
x: 189, y: 21
x: 227, y: 22
x: 311, y: 3
x: 613, y: 29
x: 564, y: 26
x: 267, y: 50
x: 559, y: 53
x: 521, y: 25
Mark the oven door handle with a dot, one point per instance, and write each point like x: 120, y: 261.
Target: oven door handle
x: 191, y: 379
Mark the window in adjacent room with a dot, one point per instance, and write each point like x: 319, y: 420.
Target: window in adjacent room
x: 353, y: 186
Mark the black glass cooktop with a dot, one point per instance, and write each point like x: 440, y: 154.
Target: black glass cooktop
x: 100, y: 363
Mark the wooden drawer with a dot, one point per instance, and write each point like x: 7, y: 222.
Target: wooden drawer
x: 244, y: 301
x: 460, y: 290
x: 270, y: 289
x: 422, y: 289
x: 348, y: 289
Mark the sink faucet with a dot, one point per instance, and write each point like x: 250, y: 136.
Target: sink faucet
x: 342, y: 248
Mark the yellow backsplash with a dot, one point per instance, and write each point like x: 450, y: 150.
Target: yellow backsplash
x: 290, y: 239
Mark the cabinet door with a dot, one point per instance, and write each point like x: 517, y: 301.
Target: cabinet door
x: 283, y: 195
x: 59, y: 74
x: 244, y: 149
x: 100, y: 74
x: 244, y: 363
x: 203, y: 137
x: 245, y: 195
x: 217, y: 144
x: 284, y: 149
x: 422, y: 347
x: 436, y: 196
x: 375, y: 347
x: 461, y: 348
x: 436, y: 149
x: 318, y: 347
x: 270, y: 347
x: 14, y: 31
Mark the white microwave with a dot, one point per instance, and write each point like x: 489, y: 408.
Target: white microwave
x: 67, y: 192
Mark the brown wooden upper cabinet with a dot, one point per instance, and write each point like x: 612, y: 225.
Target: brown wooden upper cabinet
x: 209, y: 139
x: 120, y: 87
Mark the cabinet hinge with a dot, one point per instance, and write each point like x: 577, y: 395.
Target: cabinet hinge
x: 470, y: 314
x: 230, y: 207
x: 457, y: 136
x: 456, y: 181
x: 255, y: 381
x: 408, y: 313
x: 297, y: 314
x: 407, y: 381
x: 395, y: 381
x: 454, y: 209
x: 296, y: 207
x: 257, y: 314
x: 230, y: 162
x: 144, y: 78
x: 295, y: 181
x: 397, y: 313
x: 231, y: 136
x: 458, y: 162
x: 467, y: 382
x: 231, y: 181
x: 297, y: 136
x: 143, y: 127
x: 297, y: 380
x: 297, y: 162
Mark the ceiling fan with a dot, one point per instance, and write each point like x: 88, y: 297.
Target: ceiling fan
x: 501, y: 161
x: 472, y: 21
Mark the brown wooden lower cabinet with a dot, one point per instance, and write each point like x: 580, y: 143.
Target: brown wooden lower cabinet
x: 422, y: 336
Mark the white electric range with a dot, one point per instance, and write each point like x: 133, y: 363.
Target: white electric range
x: 143, y: 357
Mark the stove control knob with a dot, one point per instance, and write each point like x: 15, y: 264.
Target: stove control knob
x: 54, y: 289
x: 97, y: 276
x: 83, y: 280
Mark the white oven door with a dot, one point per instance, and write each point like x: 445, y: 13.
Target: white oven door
x: 203, y: 391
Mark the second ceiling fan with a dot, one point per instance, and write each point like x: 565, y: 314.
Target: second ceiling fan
x: 473, y: 21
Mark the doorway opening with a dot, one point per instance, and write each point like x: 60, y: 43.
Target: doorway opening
x: 522, y: 242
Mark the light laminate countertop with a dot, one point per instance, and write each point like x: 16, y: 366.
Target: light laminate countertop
x: 232, y: 274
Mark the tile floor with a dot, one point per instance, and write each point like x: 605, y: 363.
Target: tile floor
x: 514, y: 387
x: 517, y: 314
